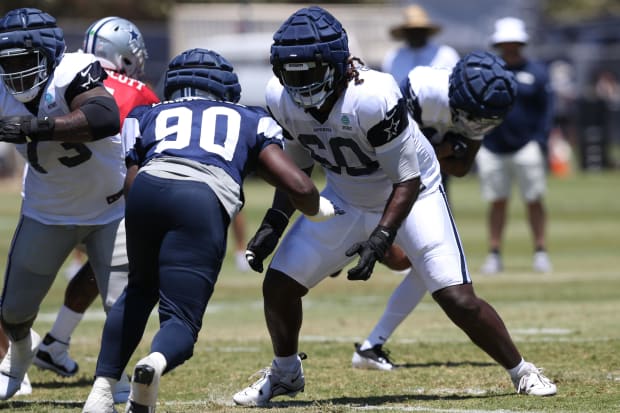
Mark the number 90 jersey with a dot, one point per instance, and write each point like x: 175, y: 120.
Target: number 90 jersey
x: 69, y: 183
x: 365, y: 144
x: 201, y: 139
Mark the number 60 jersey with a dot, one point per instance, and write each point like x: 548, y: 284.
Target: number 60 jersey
x: 69, y: 183
x: 365, y: 144
x: 201, y: 140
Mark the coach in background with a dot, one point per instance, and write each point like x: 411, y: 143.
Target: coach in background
x: 517, y: 149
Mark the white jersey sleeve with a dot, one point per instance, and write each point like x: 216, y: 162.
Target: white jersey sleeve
x: 69, y: 183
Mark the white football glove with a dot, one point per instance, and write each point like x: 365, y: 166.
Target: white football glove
x: 327, y: 210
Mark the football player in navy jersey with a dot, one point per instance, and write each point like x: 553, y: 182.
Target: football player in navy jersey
x: 56, y: 110
x: 354, y: 122
x: 189, y: 157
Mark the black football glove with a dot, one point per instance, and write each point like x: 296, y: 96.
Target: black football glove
x: 370, y: 252
x: 23, y: 129
x: 266, y: 238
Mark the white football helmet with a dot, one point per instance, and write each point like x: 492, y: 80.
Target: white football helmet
x: 118, y: 44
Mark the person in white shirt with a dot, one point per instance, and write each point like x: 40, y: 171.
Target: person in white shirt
x: 384, y: 174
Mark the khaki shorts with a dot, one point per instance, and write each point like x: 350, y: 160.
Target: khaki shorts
x: 497, y: 172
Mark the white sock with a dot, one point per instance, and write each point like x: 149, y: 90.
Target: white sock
x: 159, y: 362
x: 65, y: 324
x: 288, y: 363
x: 403, y: 300
x: 515, y: 372
x: 105, y: 383
x: 147, y: 394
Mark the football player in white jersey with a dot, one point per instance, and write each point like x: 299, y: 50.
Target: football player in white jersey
x: 119, y: 46
x: 354, y: 123
x: 454, y: 108
x: 55, y: 109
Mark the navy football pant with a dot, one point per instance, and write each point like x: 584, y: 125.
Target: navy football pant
x: 176, y: 242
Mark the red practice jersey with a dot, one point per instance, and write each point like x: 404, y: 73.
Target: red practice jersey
x: 128, y: 92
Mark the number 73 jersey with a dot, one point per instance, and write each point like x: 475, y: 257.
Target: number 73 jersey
x: 69, y: 183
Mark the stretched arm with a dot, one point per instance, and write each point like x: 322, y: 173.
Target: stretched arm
x: 294, y: 188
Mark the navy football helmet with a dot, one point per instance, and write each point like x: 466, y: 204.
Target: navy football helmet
x: 201, y: 72
x: 481, y: 92
x: 31, y: 46
x: 309, y: 55
x: 118, y: 44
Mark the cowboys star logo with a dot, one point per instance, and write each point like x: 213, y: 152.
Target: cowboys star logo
x: 394, y: 122
x: 88, y: 78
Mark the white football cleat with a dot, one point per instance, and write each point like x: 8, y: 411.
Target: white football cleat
x: 16, y: 363
x: 145, y: 384
x: 272, y: 383
x: 534, y: 383
x: 374, y: 358
x: 100, y: 399
x: 25, y: 388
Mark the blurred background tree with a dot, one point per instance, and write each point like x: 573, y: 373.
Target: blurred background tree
x: 574, y: 10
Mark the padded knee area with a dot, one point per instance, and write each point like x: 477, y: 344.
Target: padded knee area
x: 17, y: 331
x: 459, y: 303
x: 278, y: 285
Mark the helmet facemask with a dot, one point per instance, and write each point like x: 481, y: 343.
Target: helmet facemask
x: 23, y: 71
x: 470, y: 125
x: 481, y: 92
x: 308, y: 83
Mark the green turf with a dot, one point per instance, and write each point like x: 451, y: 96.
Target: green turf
x: 567, y: 322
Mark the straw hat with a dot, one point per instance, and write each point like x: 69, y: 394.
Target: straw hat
x: 509, y: 30
x: 415, y: 18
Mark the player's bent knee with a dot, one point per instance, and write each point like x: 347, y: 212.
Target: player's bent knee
x: 459, y: 302
x: 278, y: 285
x: 16, y: 331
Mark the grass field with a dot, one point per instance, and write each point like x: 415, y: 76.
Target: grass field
x: 567, y: 322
